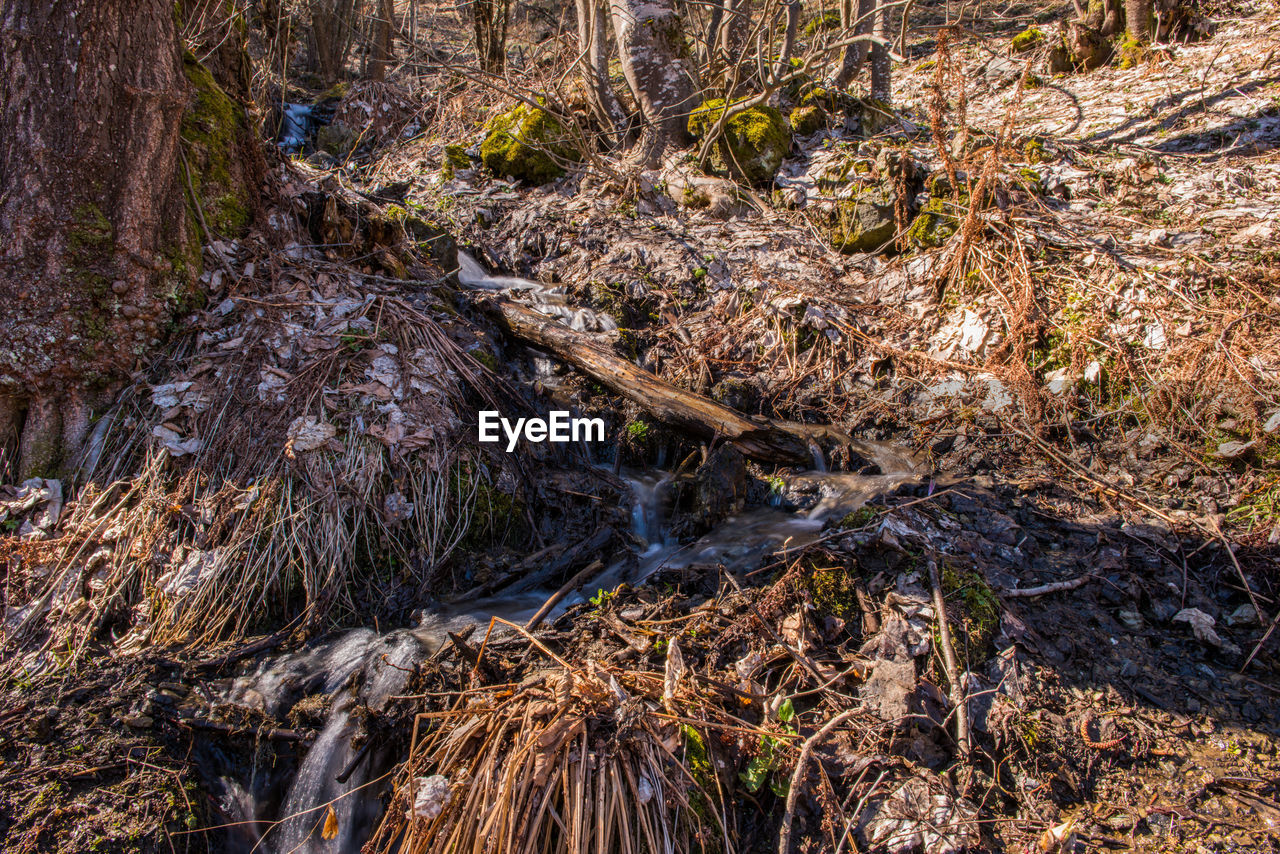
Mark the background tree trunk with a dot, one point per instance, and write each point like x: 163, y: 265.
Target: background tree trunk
x: 332, y: 30
x: 490, y: 18
x: 792, y: 9
x: 383, y: 30
x: 1138, y: 20
x: 100, y: 251
x: 593, y: 42
x: 855, y: 19
x: 733, y: 31
x: 651, y: 45
x: 1112, y: 18
x: 881, y: 64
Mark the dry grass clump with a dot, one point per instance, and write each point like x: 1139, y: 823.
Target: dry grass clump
x: 301, y: 459
x: 573, y: 759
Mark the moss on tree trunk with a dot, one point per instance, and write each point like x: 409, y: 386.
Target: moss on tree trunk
x: 101, y: 252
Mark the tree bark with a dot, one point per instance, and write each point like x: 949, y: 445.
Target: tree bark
x: 733, y: 32
x: 758, y: 438
x: 90, y: 204
x: 1138, y: 20
x: 792, y: 8
x: 383, y: 31
x: 651, y: 45
x: 95, y: 102
x: 881, y: 64
x: 593, y: 43
x: 490, y: 18
x: 855, y: 19
x: 332, y: 31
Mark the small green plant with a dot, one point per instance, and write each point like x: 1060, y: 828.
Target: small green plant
x: 602, y: 597
x: 637, y: 431
x: 769, y: 755
x: 354, y: 342
x: 859, y: 518
x: 1259, y: 508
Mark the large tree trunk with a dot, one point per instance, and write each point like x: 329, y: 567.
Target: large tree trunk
x: 99, y: 250
x: 652, y: 48
x: 90, y: 204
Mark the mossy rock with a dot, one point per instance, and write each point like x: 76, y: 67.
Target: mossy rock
x: 865, y: 222
x: 821, y: 24
x: 1131, y: 53
x: 1034, y: 151
x: 934, y: 225
x: 432, y: 240
x: 874, y: 116
x: 831, y: 100
x: 806, y: 121
x: 455, y: 158
x: 753, y: 144
x: 738, y: 393
x: 528, y: 144
x: 337, y: 139
x: 1029, y: 38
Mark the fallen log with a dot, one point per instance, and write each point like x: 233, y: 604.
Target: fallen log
x: 758, y: 438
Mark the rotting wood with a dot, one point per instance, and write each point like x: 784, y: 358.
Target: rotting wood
x: 761, y: 439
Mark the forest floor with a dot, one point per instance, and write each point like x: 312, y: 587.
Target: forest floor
x: 1097, y: 407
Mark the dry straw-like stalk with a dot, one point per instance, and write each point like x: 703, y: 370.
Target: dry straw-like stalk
x: 572, y: 761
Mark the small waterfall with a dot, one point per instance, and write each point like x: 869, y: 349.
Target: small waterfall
x: 648, y: 498
x: 546, y: 299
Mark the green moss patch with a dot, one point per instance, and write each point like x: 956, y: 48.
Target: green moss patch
x: 834, y: 591
x: 934, y: 225
x: 1029, y: 38
x: 822, y: 24
x: 212, y: 128
x: 753, y: 144
x: 527, y: 144
x: 979, y: 614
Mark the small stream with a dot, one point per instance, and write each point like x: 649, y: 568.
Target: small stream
x: 362, y: 668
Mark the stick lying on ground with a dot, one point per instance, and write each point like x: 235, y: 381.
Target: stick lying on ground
x: 758, y: 438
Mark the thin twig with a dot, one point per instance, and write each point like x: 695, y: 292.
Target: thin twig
x: 958, y: 698
x: 797, y: 776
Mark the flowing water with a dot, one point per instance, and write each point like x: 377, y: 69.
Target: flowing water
x: 363, y: 668
x: 546, y: 299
